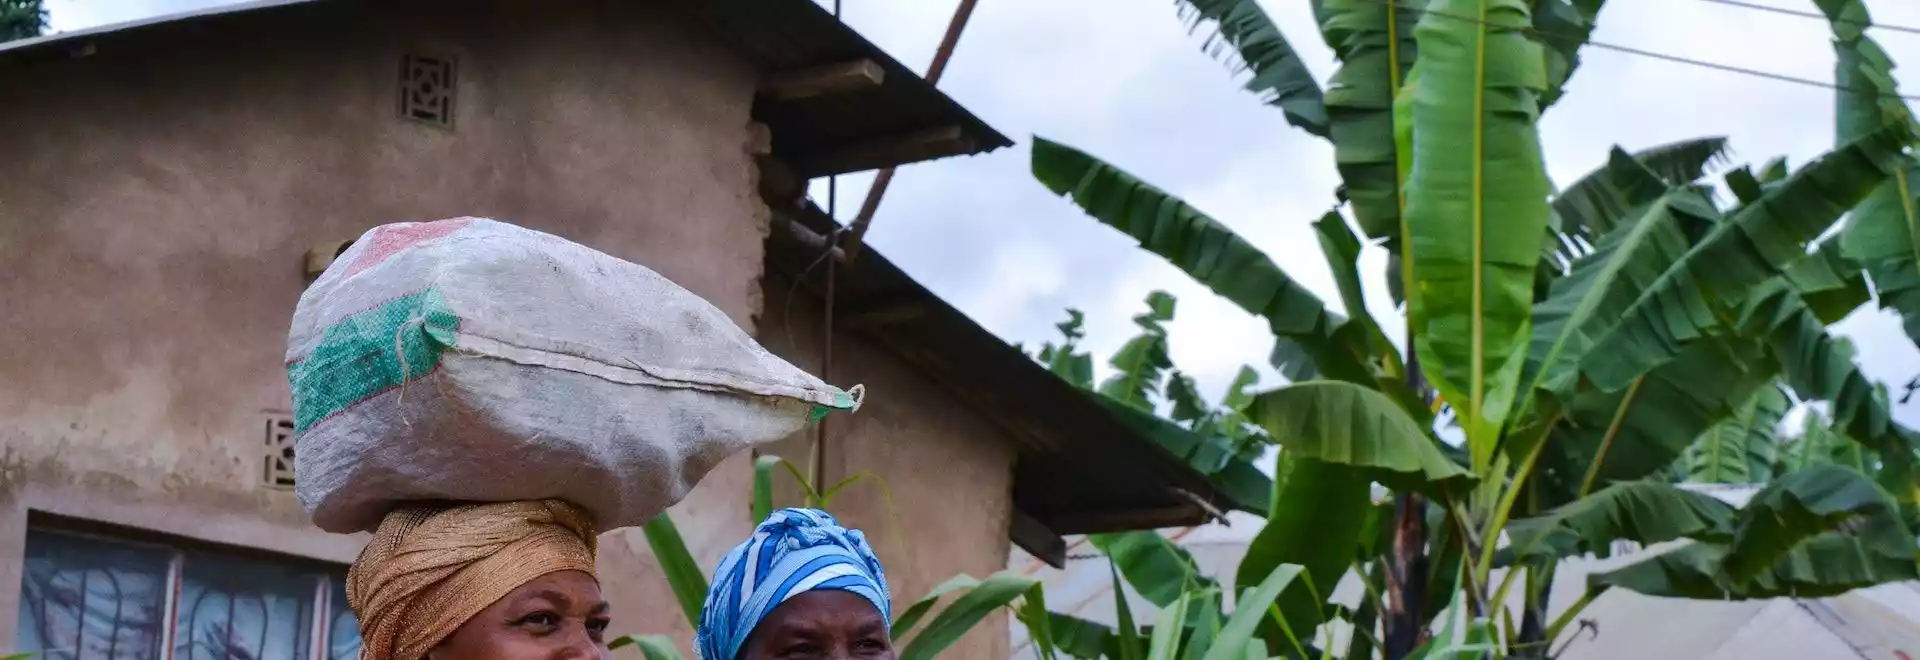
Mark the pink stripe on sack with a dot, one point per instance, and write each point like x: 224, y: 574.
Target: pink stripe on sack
x: 388, y: 240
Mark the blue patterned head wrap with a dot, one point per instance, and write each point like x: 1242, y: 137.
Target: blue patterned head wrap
x: 794, y: 551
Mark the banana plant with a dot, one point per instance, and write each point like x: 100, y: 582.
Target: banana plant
x: 1583, y: 336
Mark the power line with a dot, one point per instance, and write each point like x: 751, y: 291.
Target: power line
x: 1677, y: 59
x: 1814, y: 15
x: 1743, y: 70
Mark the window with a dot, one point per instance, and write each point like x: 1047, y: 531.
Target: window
x: 87, y: 597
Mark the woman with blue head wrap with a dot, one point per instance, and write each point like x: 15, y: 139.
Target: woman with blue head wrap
x: 801, y: 587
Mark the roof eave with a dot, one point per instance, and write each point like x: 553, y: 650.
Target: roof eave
x: 1080, y: 470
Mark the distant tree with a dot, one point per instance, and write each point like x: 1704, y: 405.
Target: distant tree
x: 22, y: 19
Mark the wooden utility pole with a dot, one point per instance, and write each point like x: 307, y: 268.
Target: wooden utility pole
x: 858, y: 230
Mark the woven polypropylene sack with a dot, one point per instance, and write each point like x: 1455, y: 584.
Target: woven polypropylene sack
x: 475, y: 360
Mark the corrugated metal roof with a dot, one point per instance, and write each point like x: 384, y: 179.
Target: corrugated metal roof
x: 827, y: 134
x: 792, y: 35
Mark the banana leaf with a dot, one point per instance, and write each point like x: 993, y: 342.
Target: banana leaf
x: 1758, y: 242
x: 1205, y: 249
x: 1819, y: 531
x: 1342, y: 251
x: 1203, y: 617
x: 1563, y: 26
x: 1164, y: 643
x: 1639, y: 431
x: 1820, y: 366
x: 1340, y: 423
x: 1831, y: 283
x: 1817, y: 444
x: 1643, y: 512
x: 1827, y: 565
x: 997, y: 591
x: 1280, y: 78
x: 1739, y: 450
x: 1605, y: 284
x: 1375, y: 45
x: 1080, y: 638
x: 910, y: 617
x: 652, y: 647
x: 1807, y: 503
x: 1184, y: 393
x: 1063, y: 360
x: 1593, y: 205
x: 1142, y: 363
x: 1475, y: 206
x: 1745, y: 186
x: 1884, y: 232
x: 1236, y: 639
x: 1337, y: 438
x: 1158, y: 569
x: 763, y: 467
x: 683, y: 575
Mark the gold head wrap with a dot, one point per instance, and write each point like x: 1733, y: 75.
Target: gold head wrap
x: 430, y: 568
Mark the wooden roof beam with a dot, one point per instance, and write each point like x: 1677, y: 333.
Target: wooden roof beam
x: 822, y: 80
x: 1099, y: 522
x: 1035, y: 538
x: 874, y: 154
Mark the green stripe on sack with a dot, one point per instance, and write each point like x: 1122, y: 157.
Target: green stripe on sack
x: 361, y: 356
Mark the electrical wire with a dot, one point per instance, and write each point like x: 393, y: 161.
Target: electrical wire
x: 1745, y: 71
x: 1814, y: 15
x: 1677, y: 59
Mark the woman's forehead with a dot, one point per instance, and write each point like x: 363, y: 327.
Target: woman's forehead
x: 823, y: 607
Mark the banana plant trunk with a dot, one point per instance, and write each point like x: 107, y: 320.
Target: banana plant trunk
x: 1403, y: 623
x: 1533, y: 643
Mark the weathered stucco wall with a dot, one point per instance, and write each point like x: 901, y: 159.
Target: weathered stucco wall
x: 157, y: 197
x: 950, y: 472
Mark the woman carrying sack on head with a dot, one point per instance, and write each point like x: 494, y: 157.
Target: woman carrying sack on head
x: 499, y: 581
x: 431, y: 358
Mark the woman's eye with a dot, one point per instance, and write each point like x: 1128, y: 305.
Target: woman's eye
x: 801, y: 651
x: 546, y: 620
x: 869, y: 645
x: 598, y: 625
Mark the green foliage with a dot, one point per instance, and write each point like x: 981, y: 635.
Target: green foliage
x: 997, y: 591
x: 689, y: 583
x: 22, y: 19
x: 1626, y: 327
x: 652, y: 647
x: 1643, y: 512
x: 1475, y: 207
x: 1818, y: 531
x: 1140, y: 366
x: 1218, y: 440
x: 1279, y: 77
x: 1741, y: 448
x: 1157, y: 568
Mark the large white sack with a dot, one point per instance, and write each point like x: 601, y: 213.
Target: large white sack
x: 474, y: 360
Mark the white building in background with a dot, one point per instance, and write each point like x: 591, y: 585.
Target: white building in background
x: 1881, y: 623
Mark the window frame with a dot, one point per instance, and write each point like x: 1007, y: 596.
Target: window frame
x: 328, y: 575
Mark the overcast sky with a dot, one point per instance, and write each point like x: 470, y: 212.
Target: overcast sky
x: 1124, y: 80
